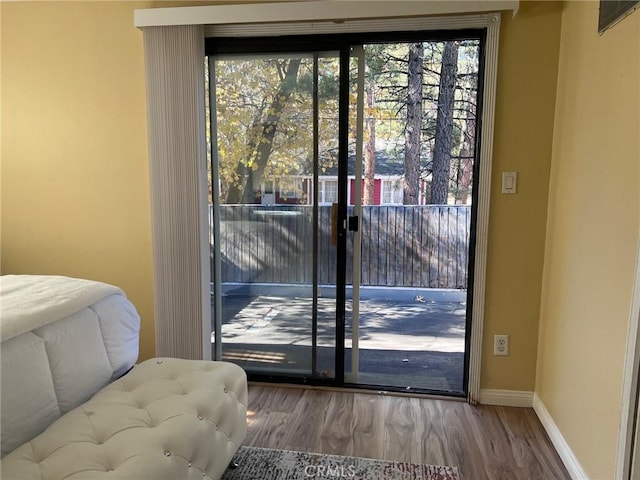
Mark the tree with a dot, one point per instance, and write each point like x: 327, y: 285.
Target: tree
x: 261, y: 145
x: 375, y: 64
x: 264, y: 116
x: 413, y: 127
x: 370, y: 145
x: 444, y: 124
x: 465, y: 118
x: 464, y: 171
x: 420, y: 114
x: 399, y: 87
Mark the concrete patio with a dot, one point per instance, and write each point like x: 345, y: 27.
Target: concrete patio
x: 409, y: 338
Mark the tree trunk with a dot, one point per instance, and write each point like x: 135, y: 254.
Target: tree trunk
x: 236, y: 187
x: 246, y: 192
x: 466, y: 162
x: 368, y: 197
x: 444, y: 125
x: 414, y: 126
x: 468, y: 148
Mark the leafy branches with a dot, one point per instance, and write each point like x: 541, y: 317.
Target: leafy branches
x: 420, y: 113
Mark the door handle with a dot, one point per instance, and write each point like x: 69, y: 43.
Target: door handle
x: 354, y: 221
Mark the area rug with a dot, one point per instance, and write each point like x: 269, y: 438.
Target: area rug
x: 267, y: 464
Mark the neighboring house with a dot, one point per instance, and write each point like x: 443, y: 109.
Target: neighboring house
x: 298, y: 189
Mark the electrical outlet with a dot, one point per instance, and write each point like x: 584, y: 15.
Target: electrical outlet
x: 501, y: 344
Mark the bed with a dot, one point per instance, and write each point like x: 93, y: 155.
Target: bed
x: 75, y: 405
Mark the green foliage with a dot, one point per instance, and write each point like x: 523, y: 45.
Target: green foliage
x: 247, y: 85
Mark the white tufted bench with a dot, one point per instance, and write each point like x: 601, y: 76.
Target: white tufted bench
x: 166, y: 419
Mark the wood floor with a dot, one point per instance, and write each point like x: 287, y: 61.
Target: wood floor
x: 484, y: 442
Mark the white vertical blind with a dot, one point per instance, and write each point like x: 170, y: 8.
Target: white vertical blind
x: 174, y: 62
x: 484, y: 196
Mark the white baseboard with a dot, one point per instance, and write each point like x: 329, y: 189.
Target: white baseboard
x: 562, y: 447
x: 506, y: 398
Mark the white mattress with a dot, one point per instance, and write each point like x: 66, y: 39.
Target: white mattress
x: 52, y: 363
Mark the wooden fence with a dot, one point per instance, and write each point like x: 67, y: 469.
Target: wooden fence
x: 408, y: 246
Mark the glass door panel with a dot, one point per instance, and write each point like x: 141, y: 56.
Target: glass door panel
x: 412, y: 189
x: 273, y: 268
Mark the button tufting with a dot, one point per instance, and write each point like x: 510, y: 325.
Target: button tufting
x: 159, y: 362
x: 225, y: 390
x: 167, y: 453
x: 189, y: 465
x: 200, y: 417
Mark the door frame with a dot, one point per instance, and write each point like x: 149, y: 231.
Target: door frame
x: 490, y: 22
x: 357, y: 52
x: 629, y: 430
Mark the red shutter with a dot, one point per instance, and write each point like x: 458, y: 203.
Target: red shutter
x: 377, y: 184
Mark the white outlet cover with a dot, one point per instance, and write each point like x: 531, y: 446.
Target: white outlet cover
x: 501, y: 345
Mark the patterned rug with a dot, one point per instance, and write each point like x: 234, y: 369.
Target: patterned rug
x: 267, y: 464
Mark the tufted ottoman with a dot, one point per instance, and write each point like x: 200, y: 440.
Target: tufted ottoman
x: 166, y: 419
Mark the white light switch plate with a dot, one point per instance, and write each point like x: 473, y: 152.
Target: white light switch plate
x: 509, y: 182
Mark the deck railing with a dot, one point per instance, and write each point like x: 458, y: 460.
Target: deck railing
x: 409, y: 246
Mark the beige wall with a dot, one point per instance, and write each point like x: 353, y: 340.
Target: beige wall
x: 74, y: 163
x: 593, y: 224
x: 75, y: 194
x: 527, y: 72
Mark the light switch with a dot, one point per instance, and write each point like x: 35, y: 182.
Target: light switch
x: 509, y: 182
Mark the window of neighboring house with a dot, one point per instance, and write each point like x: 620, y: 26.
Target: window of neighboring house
x: 328, y: 191
x: 291, y: 188
x: 392, y: 192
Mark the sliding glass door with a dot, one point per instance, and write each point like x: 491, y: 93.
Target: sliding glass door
x: 343, y: 175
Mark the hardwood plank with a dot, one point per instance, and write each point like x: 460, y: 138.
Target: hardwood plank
x: 491, y: 437
x: 309, y: 417
x: 399, y: 432
x: 276, y: 429
x: 546, y: 452
x: 368, y: 426
x: 433, y: 442
x: 463, y: 451
x: 279, y: 400
x: 483, y: 442
x: 336, y: 437
x: 527, y: 452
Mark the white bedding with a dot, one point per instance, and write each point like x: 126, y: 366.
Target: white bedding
x: 32, y: 301
x: 63, y: 339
